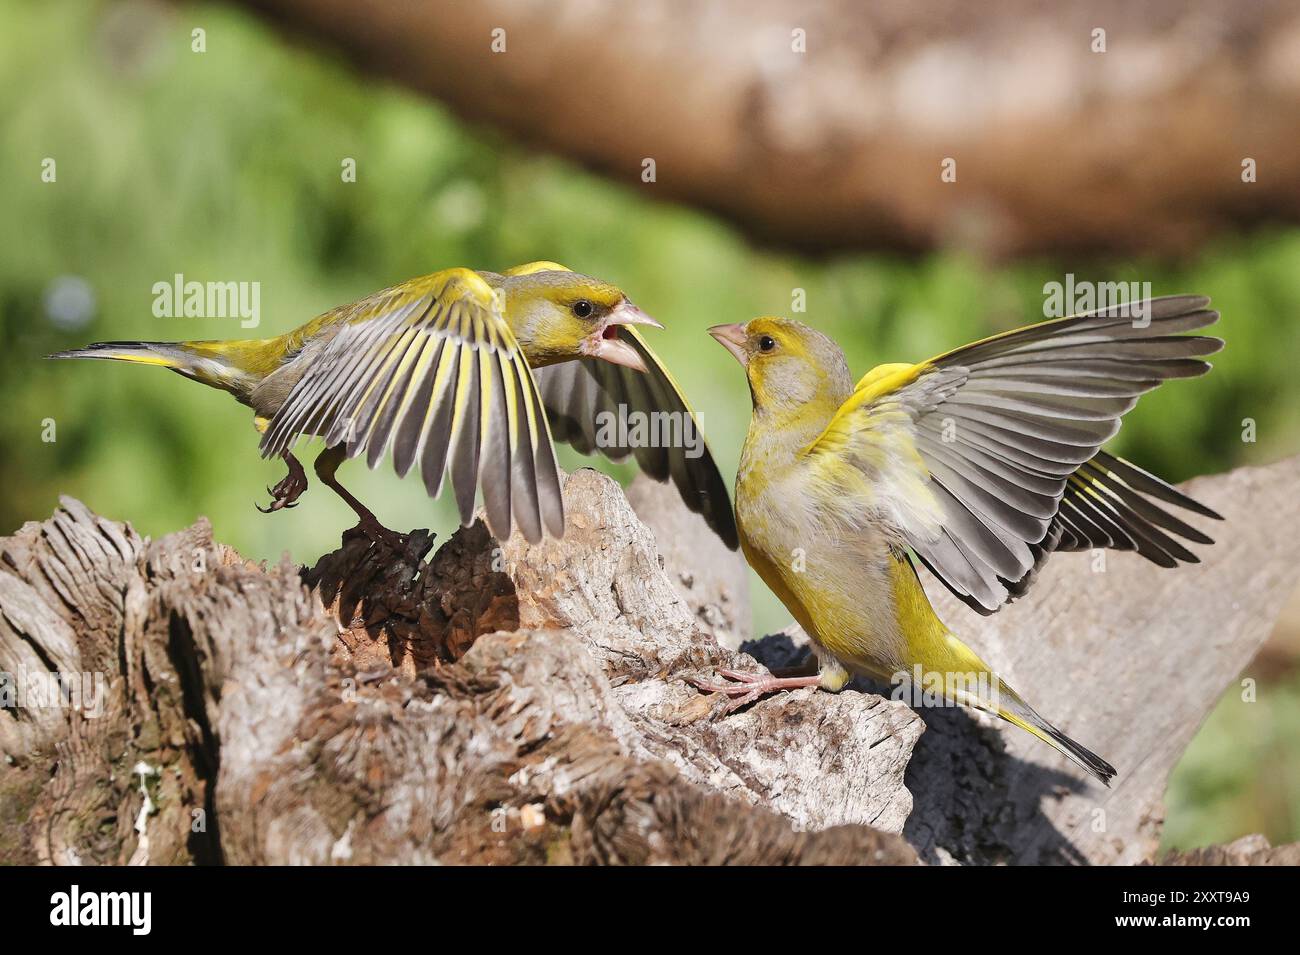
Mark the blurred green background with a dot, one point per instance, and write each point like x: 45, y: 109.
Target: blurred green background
x: 226, y: 166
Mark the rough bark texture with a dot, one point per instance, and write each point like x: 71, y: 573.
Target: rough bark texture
x: 713, y: 580
x: 1135, y: 149
x: 432, y: 713
x: 1248, y: 850
x: 501, y: 703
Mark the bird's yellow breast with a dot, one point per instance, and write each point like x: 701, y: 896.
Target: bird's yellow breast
x: 851, y: 590
x: 836, y: 584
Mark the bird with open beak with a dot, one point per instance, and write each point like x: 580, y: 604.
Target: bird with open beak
x: 465, y: 374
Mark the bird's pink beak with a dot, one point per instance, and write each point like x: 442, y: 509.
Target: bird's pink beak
x: 733, y: 339
x: 605, y: 344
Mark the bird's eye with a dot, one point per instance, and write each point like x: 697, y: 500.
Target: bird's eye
x: 582, y: 308
x: 766, y: 343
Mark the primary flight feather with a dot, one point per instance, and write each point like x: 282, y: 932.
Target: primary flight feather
x: 980, y: 462
x: 465, y: 375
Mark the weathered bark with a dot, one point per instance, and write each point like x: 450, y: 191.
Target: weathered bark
x: 713, y: 580
x: 820, y: 761
x: 503, y: 703
x: 266, y: 729
x: 1135, y: 149
x: 1248, y: 850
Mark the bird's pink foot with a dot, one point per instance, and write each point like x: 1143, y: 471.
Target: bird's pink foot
x: 745, y: 688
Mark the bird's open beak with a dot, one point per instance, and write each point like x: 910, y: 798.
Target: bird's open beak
x: 605, y: 344
x: 733, y: 339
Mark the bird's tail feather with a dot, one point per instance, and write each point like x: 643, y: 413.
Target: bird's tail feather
x: 166, y: 354
x: 979, y: 687
x: 1016, y: 711
x: 231, y: 366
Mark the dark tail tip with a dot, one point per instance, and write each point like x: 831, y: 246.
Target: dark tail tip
x: 1090, y: 761
x: 91, y: 351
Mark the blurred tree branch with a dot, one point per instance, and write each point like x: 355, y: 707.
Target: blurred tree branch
x: 1057, y: 147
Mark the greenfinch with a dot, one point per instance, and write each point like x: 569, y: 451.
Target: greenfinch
x: 466, y: 373
x: 979, y: 463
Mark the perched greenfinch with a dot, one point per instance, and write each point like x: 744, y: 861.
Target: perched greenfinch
x: 467, y: 373
x: 980, y: 463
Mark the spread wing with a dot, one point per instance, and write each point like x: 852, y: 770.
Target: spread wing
x: 431, y: 369
x: 986, y: 459
x: 598, y: 406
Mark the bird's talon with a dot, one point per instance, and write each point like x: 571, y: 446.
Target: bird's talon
x: 740, y: 676
x: 745, y: 688
x: 286, y: 493
x: 740, y: 701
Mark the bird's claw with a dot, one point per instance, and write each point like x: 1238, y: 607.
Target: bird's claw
x: 285, y: 494
x: 740, y: 692
x: 745, y: 688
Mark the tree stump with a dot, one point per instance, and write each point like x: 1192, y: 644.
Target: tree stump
x: 168, y: 702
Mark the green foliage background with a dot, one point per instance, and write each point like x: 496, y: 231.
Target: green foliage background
x: 225, y: 165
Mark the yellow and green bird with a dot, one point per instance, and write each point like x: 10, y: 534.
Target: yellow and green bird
x: 467, y: 374
x: 980, y: 463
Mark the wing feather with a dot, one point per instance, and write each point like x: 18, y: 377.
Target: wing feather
x: 1009, y: 431
x: 436, y: 443
x: 494, y: 441
x: 413, y: 416
x: 465, y: 433
x: 431, y: 370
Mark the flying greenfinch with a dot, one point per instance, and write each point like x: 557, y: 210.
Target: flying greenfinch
x: 464, y: 373
x: 980, y: 463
